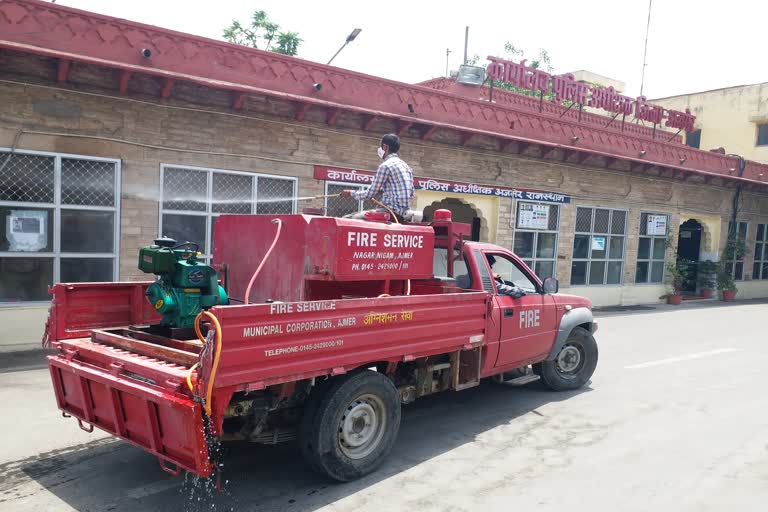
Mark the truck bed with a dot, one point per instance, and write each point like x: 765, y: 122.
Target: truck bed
x: 115, y: 376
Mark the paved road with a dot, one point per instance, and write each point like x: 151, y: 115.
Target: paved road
x: 675, y: 419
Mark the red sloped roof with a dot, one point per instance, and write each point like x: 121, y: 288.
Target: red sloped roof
x: 69, y: 34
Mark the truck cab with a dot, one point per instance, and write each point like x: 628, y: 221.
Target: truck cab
x: 524, y: 328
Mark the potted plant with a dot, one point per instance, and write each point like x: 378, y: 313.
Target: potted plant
x: 705, y: 278
x: 677, y: 272
x: 725, y: 283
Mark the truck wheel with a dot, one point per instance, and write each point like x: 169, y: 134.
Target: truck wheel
x: 574, y: 364
x: 353, y: 426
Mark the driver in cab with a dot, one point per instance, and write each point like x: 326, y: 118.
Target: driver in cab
x: 503, y: 287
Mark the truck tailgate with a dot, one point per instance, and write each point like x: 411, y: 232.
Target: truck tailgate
x: 134, y: 397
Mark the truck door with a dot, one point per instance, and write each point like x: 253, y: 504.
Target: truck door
x: 526, y: 329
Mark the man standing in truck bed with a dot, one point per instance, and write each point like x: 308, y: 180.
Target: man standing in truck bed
x: 393, y: 180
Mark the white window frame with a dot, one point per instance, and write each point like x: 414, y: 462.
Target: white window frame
x: 650, y: 260
x: 608, y: 235
x: 56, y: 254
x: 533, y: 259
x: 209, y: 213
x: 347, y: 186
x: 764, y: 260
x: 732, y: 263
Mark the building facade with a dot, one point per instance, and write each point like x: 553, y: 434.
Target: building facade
x: 733, y: 118
x: 103, y: 149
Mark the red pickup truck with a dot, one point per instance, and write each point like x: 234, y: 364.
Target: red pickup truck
x: 342, y: 322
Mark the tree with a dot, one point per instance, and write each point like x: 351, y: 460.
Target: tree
x: 262, y: 34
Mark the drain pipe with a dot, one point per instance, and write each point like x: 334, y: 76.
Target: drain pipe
x: 732, y: 230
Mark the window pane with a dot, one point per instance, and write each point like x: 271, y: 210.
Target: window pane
x: 88, y: 183
x: 599, y: 247
x: 87, y: 231
x: 274, y: 196
x: 641, y: 274
x: 511, y: 273
x: 26, y: 229
x: 601, y: 220
x: 614, y: 272
x: 340, y: 206
x: 758, y: 251
x: 597, y: 272
x: 579, y: 272
x: 554, y: 214
x: 27, y: 178
x: 657, y: 271
x: 545, y: 246
x: 742, y: 230
x: 756, y: 270
x: 232, y: 193
x: 738, y: 272
x: 618, y: 222
x: 583, y: 220
x: 643, y: 224
x: 86, y: 270
x: 524, y: 244
x: 213, y: 227
x: 760, y: 232
x: 644, y: 249
x: 185, y: 228
x: 617, y: 248
x: 23, y: 279
x: 185, y: 189
x: 545, y: 269
x: 659, y: 248
x: 765, y: 271
x: 581, y: 246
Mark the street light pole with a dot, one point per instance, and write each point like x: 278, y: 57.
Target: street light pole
x: 351, y: 37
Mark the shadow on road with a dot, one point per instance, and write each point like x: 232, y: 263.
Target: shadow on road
x: 114, y: 476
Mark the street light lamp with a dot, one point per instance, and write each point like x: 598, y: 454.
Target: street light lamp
x: 351, y: 37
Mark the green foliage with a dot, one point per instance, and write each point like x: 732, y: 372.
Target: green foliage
x: 725, y: 280
x: 707, y: 272
x: 262, y: 34
x: 679, y: 271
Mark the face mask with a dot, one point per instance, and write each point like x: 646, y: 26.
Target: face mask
x: 380, y: 152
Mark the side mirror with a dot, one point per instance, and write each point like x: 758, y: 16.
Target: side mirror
x: 551, y: 285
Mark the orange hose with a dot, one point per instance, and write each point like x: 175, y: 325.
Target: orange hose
x: 216, y: 356
x: 279, y: 223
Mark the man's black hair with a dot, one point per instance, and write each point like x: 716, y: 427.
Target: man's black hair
x: 491, y: 259
x: 393, y: 141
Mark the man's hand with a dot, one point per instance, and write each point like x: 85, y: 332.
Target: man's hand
x: 346, y: 193
x: 497, y: 277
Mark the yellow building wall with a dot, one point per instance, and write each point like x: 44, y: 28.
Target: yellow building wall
x: 487, y: 206
x: 728, y: 118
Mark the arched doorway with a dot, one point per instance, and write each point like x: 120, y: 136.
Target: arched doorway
x: 689, y: 248
x: 461, y: 211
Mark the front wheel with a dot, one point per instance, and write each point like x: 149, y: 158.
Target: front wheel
x: 574, y: 364
x: 353, y: 427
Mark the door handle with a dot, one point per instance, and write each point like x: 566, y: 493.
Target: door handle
x: 509, y: 312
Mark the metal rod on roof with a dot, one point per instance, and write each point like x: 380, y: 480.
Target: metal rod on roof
x: 466, y: 43
x: 645, y: 50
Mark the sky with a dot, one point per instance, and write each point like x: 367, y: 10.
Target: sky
x: 693, y: 45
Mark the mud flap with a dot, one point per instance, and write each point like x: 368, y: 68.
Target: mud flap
x: 167, y: 425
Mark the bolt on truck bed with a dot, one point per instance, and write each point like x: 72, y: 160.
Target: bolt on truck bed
x: 132, y: 384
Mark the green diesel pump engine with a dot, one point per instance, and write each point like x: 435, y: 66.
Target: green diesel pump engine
x: 184, y: 286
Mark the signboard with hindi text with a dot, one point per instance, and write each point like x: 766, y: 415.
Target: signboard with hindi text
x: 567, y: 88
x: 323, y: 172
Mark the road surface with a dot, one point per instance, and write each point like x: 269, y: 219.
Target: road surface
x: 675, y: 419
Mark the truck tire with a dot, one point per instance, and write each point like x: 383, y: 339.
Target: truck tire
x: 574, y: 364
x: 351, y: 428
